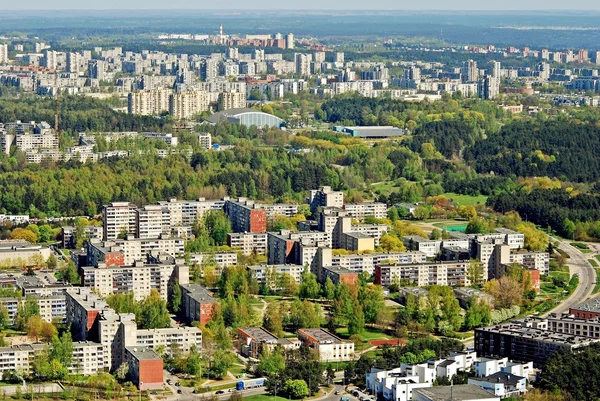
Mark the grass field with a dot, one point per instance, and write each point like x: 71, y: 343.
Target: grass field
x: 593, y: 262
x: 384, y: 188
x: 598, y: 257
x: 465, y: 200
x: 366, y: 335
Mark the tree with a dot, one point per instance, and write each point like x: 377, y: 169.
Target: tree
x: 270, y: 362
x: 373, y: 302
x: 24, y: 234
x: 391, y: 243
x: 535, y: 240
x: 68, y: 273
x: 26, y: 310
x: 479, y: 225
x: 193, y: 361
x: 272, y: 319
x: 153, y: 312
x: 506, y: 291
x: 329, y: 289
x: 52, y: 263
x: 436, y: 234
x: 309, y: 288
x: 4, y: 318
x: 475, y: 272
x: 478, y: 314
x: 122, y: 371
x: 175, y: 300
x: 296, y: 389
x: 356, y: 321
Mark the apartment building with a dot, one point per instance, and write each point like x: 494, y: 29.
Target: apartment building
x: 186, y: 337
x: 361, y: 210
x: 231, y: 100
x: 52, y: 307
x: 187, y: 212
x: 197, y: 303
x: 270, y: 274
x: 281, y: 209
x: 145, y: 368
x: 88, y: 358
x: 141, y: 278
x: 252, y: 341
x: 338, y: 275
x: 122, y: 252
x: 152, y: 221
x: 205, y: 140
x: 248, y: 243
x: 416, y: 243
x: 185, y: 105
x: 441, y: 273
x: 246, y: 216
x: 329, y: 348
x: 325, y: 197
x: 148, y: 102
x: 3, y: 53
x: 287, y: 247
x: 19, y: 358
x: 366, y: 262
x: 526, y: 339
x: 219, y: 259
x: 119, y: 218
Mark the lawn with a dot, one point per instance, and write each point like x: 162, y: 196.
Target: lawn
x: 597, y: 286
x: 593, y: 262
x: 465, y: 200
x: 598, y: 257
x: 384, y: 188
x: 580, y: 245
x: 366, y: 335
x: 265, y: 397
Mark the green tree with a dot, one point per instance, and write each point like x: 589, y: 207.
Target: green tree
x: 329, y: 289
x: 175, y: 299
x: 270, y: 362
x: 4, y: 318
x: 475, y: 272
x: 68, y: 273
x: 193, y: 361
x: 309, y: 288
x: 272, y: 319
x: 296, y: 389
x: 153, y: 312
x: 26, y: 310
x: 52, y: 263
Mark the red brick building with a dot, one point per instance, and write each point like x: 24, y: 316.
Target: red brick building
x: 246, y: 216
x: 145, y: 368
x: 339, y: 275
x: 197, y: 303
x: 589, y: 310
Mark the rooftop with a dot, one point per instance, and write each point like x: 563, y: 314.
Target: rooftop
x: 502, y: 377
x: 198, y: 293
x: 320, y: 336
x: 143, y: 354
x: 590, y: 306
x: 463, y: 392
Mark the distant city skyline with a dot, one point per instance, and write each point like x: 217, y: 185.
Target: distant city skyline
x: 337, y: 5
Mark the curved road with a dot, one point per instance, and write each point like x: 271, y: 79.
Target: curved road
x: 578, y: 264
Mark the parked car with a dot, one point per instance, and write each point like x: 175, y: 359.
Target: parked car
x: 219, y: 392
x: 179, y: 391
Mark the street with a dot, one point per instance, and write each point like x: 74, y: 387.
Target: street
x: 578, y: 264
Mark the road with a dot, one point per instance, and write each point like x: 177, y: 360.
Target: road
x: 578, y: 264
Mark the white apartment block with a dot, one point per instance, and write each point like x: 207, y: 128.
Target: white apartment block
x: 186, y: 212
x: 361, y: 210
x: 441, y: 273
x: 281, y: 209
x: 416, y: 243
x: 248, y: 243
x: 366, y: 262
x: 88, y: 358
x: 184, y: 336
x: 325, y: 197
x: 140, y: 278
x: 232, y: 100
x: 220, y: 259
x: 148, y: 102
x: 184, y: 105
x: 19, y: 357
x: 3, y: 54
x: 269, y: 274
x: 119, y: 217
x: 205, y: 140
x: 153, y: 221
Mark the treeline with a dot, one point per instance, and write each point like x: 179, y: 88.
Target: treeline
x: 77, y: 114
x: 567, y: 149
x: 576, y: 217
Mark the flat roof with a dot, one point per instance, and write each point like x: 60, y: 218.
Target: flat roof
x: 261, y: 335
x: 143, y: 353
x: 338, y: 270
x: 463, y: 392
x: 501, y: 377
x: 590, y: 306
x: 321, y: 336
x: 198, y: 293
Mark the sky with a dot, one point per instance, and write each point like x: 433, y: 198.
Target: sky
x: 541, y: 5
